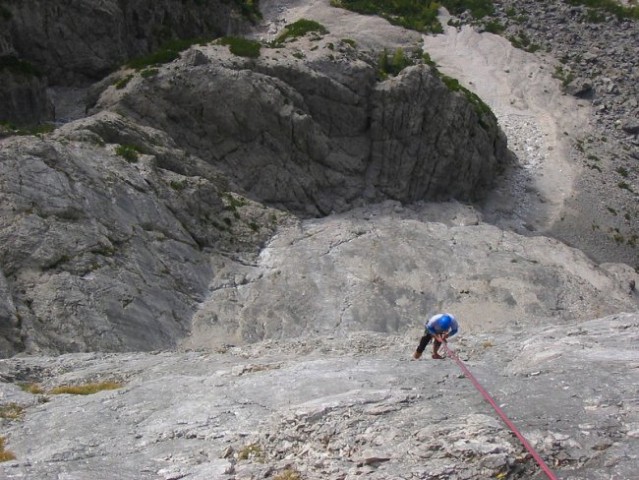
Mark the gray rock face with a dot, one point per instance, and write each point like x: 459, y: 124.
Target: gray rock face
x: 336, y: 407
x: 383, y: 267
x: 323, y: 134
x: 84, y: 40
x: 73, y: 43
x: 23, y: 99
x: 100, y: 253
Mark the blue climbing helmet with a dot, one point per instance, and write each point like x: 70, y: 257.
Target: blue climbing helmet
x: 445, y: 321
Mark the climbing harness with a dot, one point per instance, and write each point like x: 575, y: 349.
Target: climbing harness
x: 500, y: 412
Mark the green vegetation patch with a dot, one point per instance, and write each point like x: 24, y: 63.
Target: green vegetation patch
x: 413, y: 14
x: 393, y: 64
x: 167, y: 53
x: 8, y: 129
x: 301, y: 28
x: 123, y: 82
x: 481, y: 108
x: 242, y: 47
x: 129, y: 152
x: 149, y: 72
x: 522, y: 42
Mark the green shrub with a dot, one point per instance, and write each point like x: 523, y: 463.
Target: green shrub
x: 149, y: 72
x: 178, y: 185
x: 494, y: 26
x: 123, y: 82
x: 392, y: 65
x: 242, y: 47
x: 522, y: 42
x: 299, y: 29
x: 129, y: 152
x: 565, y: 76
x: 8, y: 128
x: 165, y: 54
x: 480, y: 107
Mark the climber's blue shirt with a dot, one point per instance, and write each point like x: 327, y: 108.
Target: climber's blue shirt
x: 434, y: 328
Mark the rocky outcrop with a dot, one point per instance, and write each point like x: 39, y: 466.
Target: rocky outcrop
x: 321, y: 134
x: 84, y: 40
x: 100, y: 252
x: 74, y: 43
x: 23, y: 98
x: 382, y: 267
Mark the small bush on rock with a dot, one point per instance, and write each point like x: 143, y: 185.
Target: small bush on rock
x: 167, y: 53
x: 123, y: 82
x: 242, y: 47
x: 129, y: 152
x: 300, y: 28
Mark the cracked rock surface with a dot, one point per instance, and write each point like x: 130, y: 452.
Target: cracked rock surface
x: 337, y: 407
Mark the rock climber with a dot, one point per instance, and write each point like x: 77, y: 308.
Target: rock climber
x: 439, y: 327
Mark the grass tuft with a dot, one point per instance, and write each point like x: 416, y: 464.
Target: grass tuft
x: 85, y: 389
x: 11, y: 411
x: 5, y: 455
x: 288, y: 474
x: 253, y: 450
x: 33, y: 388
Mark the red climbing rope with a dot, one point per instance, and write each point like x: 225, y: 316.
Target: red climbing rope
x: 500, y: 412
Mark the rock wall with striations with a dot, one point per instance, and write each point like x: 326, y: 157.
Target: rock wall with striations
x: 320, y: 134
x: 78, y: 42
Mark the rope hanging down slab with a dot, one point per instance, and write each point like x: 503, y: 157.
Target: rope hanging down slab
x: 501, y: 413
